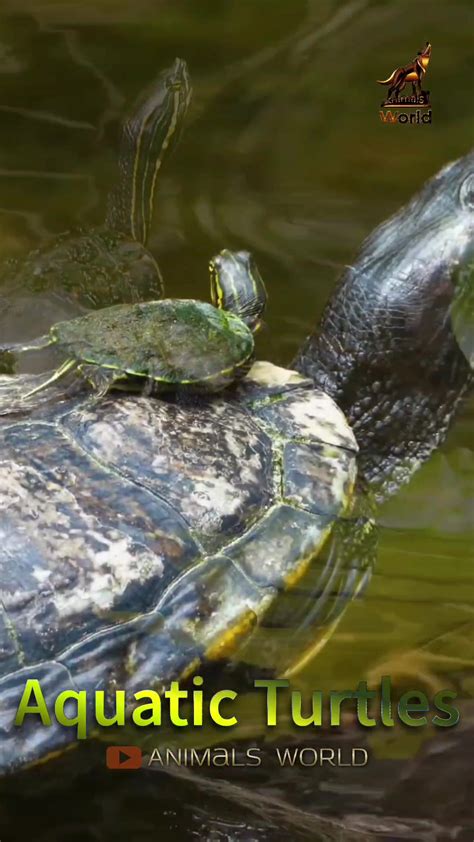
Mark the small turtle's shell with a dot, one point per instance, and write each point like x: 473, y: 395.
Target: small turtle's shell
x: 174, y: 342
x: 140, y: 537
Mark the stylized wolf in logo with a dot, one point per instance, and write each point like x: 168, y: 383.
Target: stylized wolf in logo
x: 412, y: 72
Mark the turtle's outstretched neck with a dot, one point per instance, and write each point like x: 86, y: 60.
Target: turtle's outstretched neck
x: 387, y: 349
x: 147, y: 138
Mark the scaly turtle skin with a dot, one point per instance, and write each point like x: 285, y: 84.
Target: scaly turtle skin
x: 108, y: 265
x: 168, y: 344
x: 141, y: 538
x: 394, y: 348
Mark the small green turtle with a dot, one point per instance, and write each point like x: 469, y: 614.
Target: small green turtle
x: 168, y: 344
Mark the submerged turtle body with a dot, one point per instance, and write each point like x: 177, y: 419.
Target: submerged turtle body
x: 102, y: 266
x: 141, y: 538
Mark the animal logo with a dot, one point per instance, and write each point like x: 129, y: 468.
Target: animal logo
x: 412, y: 72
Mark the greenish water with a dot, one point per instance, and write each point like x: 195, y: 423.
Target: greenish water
x: 284, y: 154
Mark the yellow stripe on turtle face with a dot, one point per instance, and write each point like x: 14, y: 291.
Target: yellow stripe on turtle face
x: 236, y: 286
x: 133, y: 216
x: 217, y: 293
x: 235, y: 295
x: 171, y: 131
x: 140, y: 222
x: 137, y: 221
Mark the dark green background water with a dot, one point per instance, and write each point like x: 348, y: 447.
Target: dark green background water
x: 284, y: 154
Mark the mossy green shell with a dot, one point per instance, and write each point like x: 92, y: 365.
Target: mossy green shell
x: 174, y: 341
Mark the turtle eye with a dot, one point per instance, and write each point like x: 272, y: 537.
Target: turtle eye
x: 466, y: 192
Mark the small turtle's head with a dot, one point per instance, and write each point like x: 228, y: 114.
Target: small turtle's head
x: 236, y: 285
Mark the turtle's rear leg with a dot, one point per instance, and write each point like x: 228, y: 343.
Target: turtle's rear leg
x: 56, y: 375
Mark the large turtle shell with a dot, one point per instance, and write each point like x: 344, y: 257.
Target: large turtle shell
x: 174, y: 342
x: 141, y: 537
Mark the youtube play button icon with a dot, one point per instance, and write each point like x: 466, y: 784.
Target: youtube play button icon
x: 123, y: 757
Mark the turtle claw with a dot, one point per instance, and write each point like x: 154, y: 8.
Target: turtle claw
x: 101, y: 379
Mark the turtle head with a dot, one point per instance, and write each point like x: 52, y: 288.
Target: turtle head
x: 395, y: 347
x: 149, y: 134
x: 237, y: 286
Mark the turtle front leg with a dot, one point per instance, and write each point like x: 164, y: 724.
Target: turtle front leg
x: 101, y: 379
x: 151, y: 387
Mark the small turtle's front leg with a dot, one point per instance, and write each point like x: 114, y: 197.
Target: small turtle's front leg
x: 101, y: 379
x: 150, y: 388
